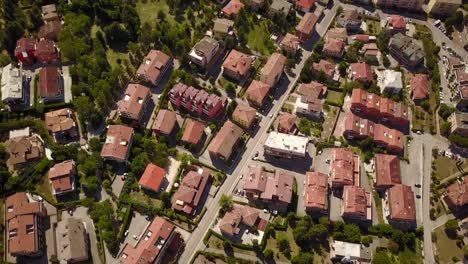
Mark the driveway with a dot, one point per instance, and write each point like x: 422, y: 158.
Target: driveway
x: 67, y: 84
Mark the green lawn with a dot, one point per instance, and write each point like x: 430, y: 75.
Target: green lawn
x: 148, y: 12
x: 421, y: 120
x: 259, y: 39
x: 142, y: 197
x: 373, y: 27
x: 113, y: 56
x: 446, y: 167
x: 408, y: 256
x: 43, y: 188
x: 334, y: 97
x: 327, y: 126
x: 272, y: 245
x: 217, y: 243
x: 446, y: 247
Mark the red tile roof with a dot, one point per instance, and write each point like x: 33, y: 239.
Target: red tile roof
x: 257, y: 92
x: 155, y: 62
x: 287, y: 123
x: 397, y: 22
x: 238, y: 62
x: 187, y: 198
x: 152, y: 178
x: 316, y: 191
x: 231, y: 220
x: 272, y: 68
x: 59, y: 120
x: 420, y: 86
x: 46, y: 51
x: 401, y: 203
x: 224, y: 142
x: 244, y: 115
x: 134, y: 100
x: 193, y: 131
x: 356, y: 202
x: 361, y: 37
x: 118, y: 141
x: 342, y: 167
x: 60, y: 176
x: 271, y: 186
x: 306, y: 4
x: 361, y: 71
x: 307, y: 23
x: 387, y: 170
x: 24, y: 149
x: 325, y: 66
x: 290, y: 42
x: 49, y: 82
x: 233, y: 7
x: 313, y: 89
x: 165, y: 122
x: 334, y: 46
x: 457, y: 194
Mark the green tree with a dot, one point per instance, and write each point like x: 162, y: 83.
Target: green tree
x: 226, y: 202
x: 283, y: 245
x: 381, y: 257
x: 303, y: 258
x: 352, y: 233
x: 451, y: 227
x: 268, y: 254
x: 115, y: 32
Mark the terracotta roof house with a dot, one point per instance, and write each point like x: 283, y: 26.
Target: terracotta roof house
x: 356, y: 203
x: 361, y: 71
x: 401, y: 212
x: 50, y: 30
x: 257, y: 93
x: 118, y: 143
x: 204, y: 51
x: 24, y: 235
x: 391, y: 139
x: 24, y: 150
x: 334, y: 48
x: 12, y: 83
x: 193, y: 132
x: 233, y: 8
x: 371, y: 52
x: 237, y: 65
x: 273, y: 189
x: 50, y: 84
x: 419, y: 88
x: 306, y: 27
x: 304, y: 5
x: 290, y: 43
x: 165, y: 122
x: 154, y: 66
x: 224, y: 143
x: 232, y: 221
x: 223, y: 28
x: 338, y: 33
x: 363, y: 37
x: 387, y: 171
x: 46, y: 51
x: 62, y: 177
x: 273, y: 69
x: 350, y: 19
x: 187, y: 197
x: 328, y: 68
x: 152, y: 178
x: 158, y: 240
x: 357, y: 128
x: 406, y: 50
x: 49, y: 13
x: 72, y: 241
x: 61, y: 124
x: 287, y: 123
x: 133, y: 104
x: 24, y: 51
x: 244, y: 115
x: 316, y: 192
x: 344, y: 168
x: 394, y: 113
x: 314, y: 89
x: 396, y: 23
x: 457, y: 195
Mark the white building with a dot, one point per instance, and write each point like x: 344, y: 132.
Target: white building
x: 285, y: 145
x: 349, y: 252
x: 204, y: 51
x: 390, y: 81
x: 12, y: 84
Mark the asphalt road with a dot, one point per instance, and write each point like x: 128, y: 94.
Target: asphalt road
x: 195, y: 242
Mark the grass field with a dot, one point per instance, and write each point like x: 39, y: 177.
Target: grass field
x: 272, y: 245
x: 334, y: 97
x: 215, y: 242
x: 446, y: 167
x: 408, y: 256
x: 446, y: 248
x: 148, y: 12
x: 43, y: 188
x: 141, y: 197
x: 373, y: 27
x: 259, y: 39
x: 420, y: 120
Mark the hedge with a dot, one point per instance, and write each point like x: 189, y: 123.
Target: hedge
x: 124, y: 224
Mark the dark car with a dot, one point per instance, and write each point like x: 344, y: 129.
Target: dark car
x: 417, y: 185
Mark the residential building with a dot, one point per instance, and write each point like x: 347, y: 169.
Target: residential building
x: 390, y: 81
x: 459, y: 124
x: 154, y: 67
x: 273, y: 189
x: 152, y: 178
x: 24, y: 150
x: 49, y: 13
x: 72, y: 241
x: 334, y: 48
x: 118, y: 143
x: 344, y: 168
x: 12, y: 85
x: 356, y: 203
x: 244, y: 115
x: 411, y: 5
x: 158, y: 244
x: 61, y: 124
x: 314, y: 89
x: 387, y: 171
x: 394, y: 114
x: 223, y: 28
x: 133, y: 104
x: 50, y: 84
x: 350, y: 19
x: 196, y: 101
x: 46, y: 51
x: 287, y: 123
x: 337, y: 33
x: 285, y: 145
x: 279, y: 7
x: 165, y: 122
x: 50, y: 30
x: 273, y: 69
x: 361, y: 72
x: 224, y: 143
x: 204, y: 51
x: 238, y: 216
x: 304, y: 5
x: 406, y: 51
x: 307, y: 106
x: 189, y: 194
x: 419, y: 88
x: 456, y: 197
x: 371, y: 52
x: 290, y: 43
x: 357, y: 128
x: 396, y: 23
x: 443, y: 7
x: 352, y: 252
x: 62, y: 177
x: 237, y: 65
x: 23, y: 218
x: 232, y: 8
x: 24, y: 51
x: 364, y: 38
x: 400, y: 208
x: 306, y: 27
x: 257, y: 93
x: 458, y: 78
x: 193, y: 132
x: 316, y: 192
x: 391, y: 139
x: 328, y: 68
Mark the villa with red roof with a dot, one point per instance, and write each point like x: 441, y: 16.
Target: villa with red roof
x: 133, y: 104
x: 361, y: 72
x: 238, y: 216
x: 257, y: 93
x: 306, y: 27
x: 304, y: 5
x: 154, y: 66
x: 153, y: 178
x: 400, y: 207
x: 396, y: 23
x: 273, y: 69
x: 118, y: 142
x: 290, y: 43
x: 193, y: 132
x: 244, y: 115
x: 232, y: 8
x: 316, y: 192
x: 24, y: 51
x: 419, y: 88
x: 223, y: 144
x: 237, y: 65
x: 189, y: 194
x: 356, y: 203
x: 328, y: 68
x: 46, y: 51
x: 456, y: 197
x: 165, y: 122
x: 334, y: 47
x: 387, y: 171
x: 62, y: 177
x: 50, y: 84
x: 345, y: 168
x: 287, y: 123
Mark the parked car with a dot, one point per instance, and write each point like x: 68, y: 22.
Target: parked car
x: 417, y: 185
x: 418, y: 196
